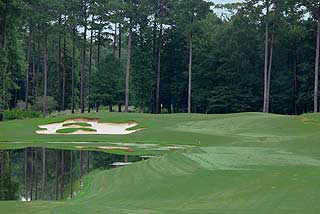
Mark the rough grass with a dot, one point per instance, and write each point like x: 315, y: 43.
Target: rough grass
x: 72, y: 130
x: 77, y: 124
x: 241, y: 163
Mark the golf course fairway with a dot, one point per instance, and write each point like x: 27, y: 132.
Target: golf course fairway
x: 233, y: 163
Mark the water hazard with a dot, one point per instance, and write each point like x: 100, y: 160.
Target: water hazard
x: 51, y: 174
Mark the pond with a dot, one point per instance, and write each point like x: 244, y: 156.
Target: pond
x: 51, y: 174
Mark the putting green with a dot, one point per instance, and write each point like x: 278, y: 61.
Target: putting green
x: 238, y: 163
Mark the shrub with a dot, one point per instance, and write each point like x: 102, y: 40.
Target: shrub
x: 19, y: 114
x: 21, y: 105
x: 51, y: 104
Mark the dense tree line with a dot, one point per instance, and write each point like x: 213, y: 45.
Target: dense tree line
x: 160, y: 55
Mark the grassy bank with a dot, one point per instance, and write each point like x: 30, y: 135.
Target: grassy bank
x: 239, y: 163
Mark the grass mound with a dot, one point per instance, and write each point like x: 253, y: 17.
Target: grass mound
x: 72, y: 130
x: 77, y: 124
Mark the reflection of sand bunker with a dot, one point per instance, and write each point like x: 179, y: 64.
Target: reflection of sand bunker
x: 99, y: 128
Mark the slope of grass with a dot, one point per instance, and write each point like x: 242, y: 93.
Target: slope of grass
x: 240, y: 163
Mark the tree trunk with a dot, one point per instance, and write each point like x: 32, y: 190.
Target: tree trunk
x: 119, y: 41
x: 43, y: 173
x: 269, y: 73
x: 90, y: 70
x: 97, y: 107
x: 73, y: 69
x: 64, y: 72
x: 83, y: 64
x: 155, y: 58
x: 59, y: 97
x: 266, y: 57
x: 45, y: 80
x: 71, y: 174
x: 190, y: 73
x: 159, y: 73
x: 33, y: 70
x: 38, y: 70
x: 295, y: 81
x: 27, y: 72
x: 114, y: 41
x: 128, y: 71
x: 99, y: 44
x: 62, y: 176
x: 316, y: 71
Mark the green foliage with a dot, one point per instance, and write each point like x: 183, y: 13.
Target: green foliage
x: 16, y: 114
x: 107, y: 86
x: 51, y: 104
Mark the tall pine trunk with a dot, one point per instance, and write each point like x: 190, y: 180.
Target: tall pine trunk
x: 90, y: 71
x: 59, y: 97
x: 45, y: 79
x: 128, y: 70
x: 26, y: 100
x: 266, y: 58
x: 114, y: 46
x: 83, y: 64
x: 159, y: 72
x: 33, y: 93
x: 190, y: 73
x: 64, y: 72
x: 38, y: 69
x: 316, y: 70
x: 73, y: 69
x: 119, y: 42
x: 99, y: 47
x: 269, y: 73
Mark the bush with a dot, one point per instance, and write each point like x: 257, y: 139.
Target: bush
x: 52, y: 104
x: 21, y: 105
x: 19, y: 114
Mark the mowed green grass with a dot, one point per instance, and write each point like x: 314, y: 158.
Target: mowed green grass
x: 240, y: 163
x: 77, y: 124
x: 72, y: 130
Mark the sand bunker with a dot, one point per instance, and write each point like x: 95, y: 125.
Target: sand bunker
x: 94, y: 126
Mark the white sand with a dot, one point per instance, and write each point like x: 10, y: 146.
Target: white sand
x: 101, y: 128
